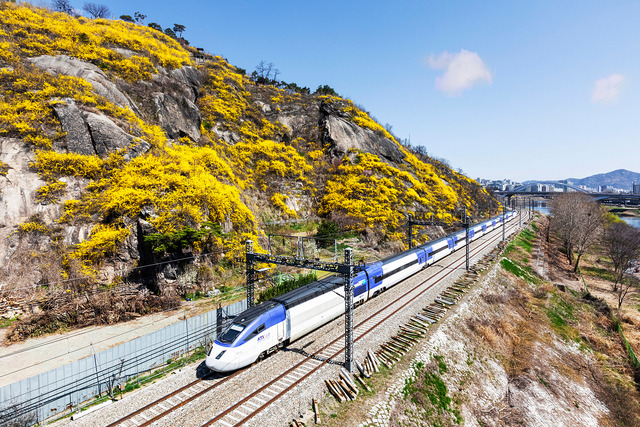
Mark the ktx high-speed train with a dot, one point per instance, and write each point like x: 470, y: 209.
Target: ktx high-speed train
x: 266, y: 327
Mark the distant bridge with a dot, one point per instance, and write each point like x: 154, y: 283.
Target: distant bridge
x: 605, y: 198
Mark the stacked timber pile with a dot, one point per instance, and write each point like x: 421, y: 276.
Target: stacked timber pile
x: 344, y: 388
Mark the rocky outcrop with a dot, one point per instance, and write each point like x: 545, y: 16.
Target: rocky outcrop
x: 344, y: 135
x: 108, y: 138
x: 68, y: 66
x: 190, y: 78
x: 178, y: 117
x: 78, y: 137
x: 91, y: 134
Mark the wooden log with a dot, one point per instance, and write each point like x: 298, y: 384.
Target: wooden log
x: 400, y: 350
x: 390, y: 355
x: 361, y: 381
x: 426, y: 319
x: 396, y: 352
x: 367, y: 366
x: 334, y: 392
x: 374, y: 363
x: 417, y: 319
x: 339, y: 389
x: 411, y: 330
x: 316, y: 411
x: 349, y: 384
x: 347, y: 377
x: 405, y: 340
x: 351, y: 395
x: 399, y: 345
x: 418, y: 324
x: 361, y: 369
x: 375, y: 359
x: 384, y: 360
x: 411, y: 337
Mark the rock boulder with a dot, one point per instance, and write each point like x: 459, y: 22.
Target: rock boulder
x: 344, y: 135
x: 69, y: 66
x: 178, y: 116
x: 78, y: 137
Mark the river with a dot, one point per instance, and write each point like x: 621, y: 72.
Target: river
x: 542, y: 208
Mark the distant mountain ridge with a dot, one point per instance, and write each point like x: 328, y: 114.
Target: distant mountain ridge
x: 620, y: 178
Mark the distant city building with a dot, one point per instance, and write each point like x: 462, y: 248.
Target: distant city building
x: 636, y: 188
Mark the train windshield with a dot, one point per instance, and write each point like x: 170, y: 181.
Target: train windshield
x: 231, y: 334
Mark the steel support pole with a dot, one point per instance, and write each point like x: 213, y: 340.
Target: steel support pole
x: 466, y: 227
x: 410, y: 231
x: 250, y: 273
x: 519, y: 215
x: 348, y: 311
x: 503, y: 208
x: 218, y: 320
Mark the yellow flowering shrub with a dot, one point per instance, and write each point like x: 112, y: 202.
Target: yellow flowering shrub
x: 51, y: 192
x: 103, y: 242
x: 35, y: 31
x: 32, y: 226
x: 278, y: 201
x: 52, y: 165
x: 4, y: 168
x: 265, y: 160
x: 377, y: 194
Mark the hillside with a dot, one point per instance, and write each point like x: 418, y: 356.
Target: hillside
x: 620, y: 178
x: 128, y: 170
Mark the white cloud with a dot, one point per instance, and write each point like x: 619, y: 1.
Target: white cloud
x: 462, y: 70
x: 607, y: 89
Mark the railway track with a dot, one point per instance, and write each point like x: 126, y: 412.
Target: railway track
x: 254, y: 403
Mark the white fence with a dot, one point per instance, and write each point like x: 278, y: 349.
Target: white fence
x: 42, y: 396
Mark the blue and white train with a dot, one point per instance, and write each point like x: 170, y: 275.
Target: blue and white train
x: 267, y: 327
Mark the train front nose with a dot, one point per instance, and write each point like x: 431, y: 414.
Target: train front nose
x: 218, y: 358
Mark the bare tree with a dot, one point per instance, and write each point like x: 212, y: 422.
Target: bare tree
x: 590, y: 225
x: 625, y: 286
x: 578, y: 221
x: 622, y: 243
x: 96, y: 10
x: 64, y: 6
x: 266, y: 73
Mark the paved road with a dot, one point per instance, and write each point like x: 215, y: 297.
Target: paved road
x: 38, y: 355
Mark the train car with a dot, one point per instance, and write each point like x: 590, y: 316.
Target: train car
x: 266, y: 327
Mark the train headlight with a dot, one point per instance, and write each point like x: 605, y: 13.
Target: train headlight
x: 220, y: 355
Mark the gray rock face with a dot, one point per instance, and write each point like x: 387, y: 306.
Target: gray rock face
x: 107, y: 137
x: 344, y: 135
x: 178, y: 116
x: 17, y: 204
x: 69, y: 66
x: 78, y: 137
x: 189, y: 77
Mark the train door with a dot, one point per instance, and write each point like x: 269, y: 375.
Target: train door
x: 280, y: 327
x: 422, y: 258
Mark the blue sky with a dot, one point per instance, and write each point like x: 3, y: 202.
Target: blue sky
x: 501, y: 89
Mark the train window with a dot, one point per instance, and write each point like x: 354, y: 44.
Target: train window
x: 231, y: 333
x: 256, y: 332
